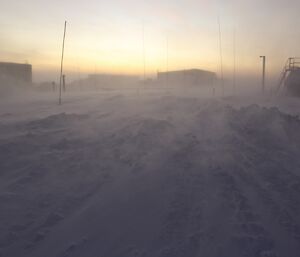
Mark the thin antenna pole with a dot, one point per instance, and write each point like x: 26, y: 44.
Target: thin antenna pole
x: 79, y: 78
x: 263, y: 73
x: 167, y: 61
x: 95, y: 77
x: 221, y: 55
x: 144, y: 53
x: 61, y: 63
x: 234, y: 61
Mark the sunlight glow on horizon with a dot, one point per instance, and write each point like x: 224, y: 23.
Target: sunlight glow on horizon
x: 107, y: 37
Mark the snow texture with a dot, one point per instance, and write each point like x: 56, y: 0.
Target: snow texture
x: 113, y: 175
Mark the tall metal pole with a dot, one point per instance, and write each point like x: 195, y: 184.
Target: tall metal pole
x: 167, y: 61
x: 64, y: 82
x: 234, y: 62
x: 221, y: 55
x: 144, y: 53
x: 61, y: 63
x: 263, y: 73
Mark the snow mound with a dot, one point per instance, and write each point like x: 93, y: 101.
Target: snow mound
x: 162, y: 177
x: 57, y: 121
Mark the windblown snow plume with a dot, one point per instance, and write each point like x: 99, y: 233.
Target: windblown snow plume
x: 154, y: 176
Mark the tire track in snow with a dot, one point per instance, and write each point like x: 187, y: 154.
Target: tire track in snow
x: 275, y: 215
x: 248, y: 236
x: 182, y: 230
x: 266, y: 180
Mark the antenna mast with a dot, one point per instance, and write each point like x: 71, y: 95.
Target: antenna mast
x: 263, y: 73
x: 61, y: 63
x: 144, y: 53
x: 221, y: 55
x: 167, y: 61
x: 234, y: 61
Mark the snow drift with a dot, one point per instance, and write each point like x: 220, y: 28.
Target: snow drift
x: 165, y: 176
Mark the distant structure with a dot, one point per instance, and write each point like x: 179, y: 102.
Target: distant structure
x: 16, y: 72
x: 46, y: 86
x: 105, y: 81
x: 111, y: 80
x: 263, y: 57
x: 290, y: 77
x: 192, y: 77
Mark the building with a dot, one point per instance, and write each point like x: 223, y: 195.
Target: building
x: 16, y: 72
x: 192, y: 77
x: 111, y: 80
x: 105, y: 81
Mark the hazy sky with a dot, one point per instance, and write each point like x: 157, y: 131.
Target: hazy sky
x: 107, y: 36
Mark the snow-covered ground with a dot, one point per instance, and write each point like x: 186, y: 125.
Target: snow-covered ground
x: 149, y: 175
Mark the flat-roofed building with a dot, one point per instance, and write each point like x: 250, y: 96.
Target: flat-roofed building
x: 105, y: 81
x: 192, y: 77
x: 16, y: 72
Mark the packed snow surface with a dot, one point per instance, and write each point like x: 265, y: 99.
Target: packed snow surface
x: 114, y: 175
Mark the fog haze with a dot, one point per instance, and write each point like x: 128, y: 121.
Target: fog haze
x: 107, y: 36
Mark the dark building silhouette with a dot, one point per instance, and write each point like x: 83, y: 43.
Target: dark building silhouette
x: 193, y: 77
x: 16, y: 72
x: 112, y: 79
x: 106, y: 81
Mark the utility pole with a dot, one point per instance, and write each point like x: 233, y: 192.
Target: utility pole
x: 167, y: 61
x: 221, y: 56
x: 61, y: 63
x: 64, y: 82
x: 263, y: 73
x: 144, y: 53
x: 234, y: 62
